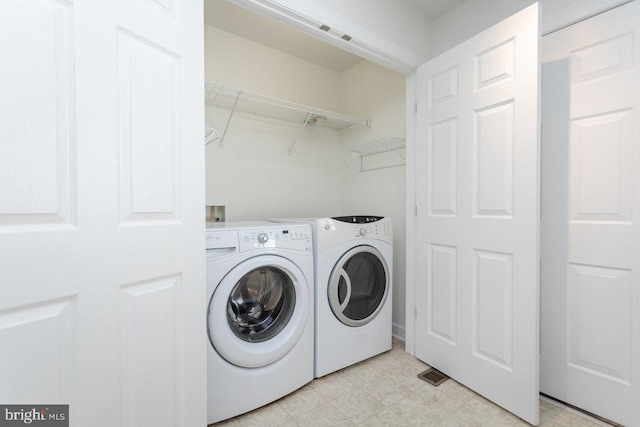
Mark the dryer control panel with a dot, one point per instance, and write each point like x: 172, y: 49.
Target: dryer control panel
x: 374, y: 231
x: 294, y: 237
x: 332, y: 231
x: 358, y: 219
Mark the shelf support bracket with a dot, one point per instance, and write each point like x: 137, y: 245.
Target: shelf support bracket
x: 226, y: 127
x: 306, y: 122
x: 210, y: 135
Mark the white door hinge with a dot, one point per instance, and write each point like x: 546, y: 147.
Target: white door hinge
x: 415, y: 312
x: 415, y: 210
x: 415, y: 107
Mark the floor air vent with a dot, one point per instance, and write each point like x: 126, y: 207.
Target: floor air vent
x: 433, y: 377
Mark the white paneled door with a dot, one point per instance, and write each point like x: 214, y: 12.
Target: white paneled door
x: 590, y: 292
x: 101, y: 222
x: 477, y: 213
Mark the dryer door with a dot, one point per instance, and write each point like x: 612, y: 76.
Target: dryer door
x: 259, y: 311
x: 359, y: 285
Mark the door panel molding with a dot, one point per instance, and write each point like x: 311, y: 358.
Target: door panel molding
x: 477, y: 189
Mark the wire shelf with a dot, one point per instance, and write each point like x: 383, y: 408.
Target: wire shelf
x: 372, y: 148
x: 378, y: 146
x: 221, y: 96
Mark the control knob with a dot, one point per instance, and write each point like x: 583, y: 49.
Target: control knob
x: 263, y: 238
x: 363, y: 232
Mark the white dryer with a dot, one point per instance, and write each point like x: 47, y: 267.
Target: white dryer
x: 259, y: 314
x: 354, y: 268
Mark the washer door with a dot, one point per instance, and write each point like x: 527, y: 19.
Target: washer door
x: 258, y: 311
x: 358, y: 286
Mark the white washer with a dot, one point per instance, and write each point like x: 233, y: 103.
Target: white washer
x: 354, y: 268
x: 259, y: 315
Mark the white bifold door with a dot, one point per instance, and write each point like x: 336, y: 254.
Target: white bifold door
x: 477, y: 163
x: 591, y: 215
x: 102, y: 292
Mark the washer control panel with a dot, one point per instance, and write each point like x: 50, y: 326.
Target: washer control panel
x: 295, y: 237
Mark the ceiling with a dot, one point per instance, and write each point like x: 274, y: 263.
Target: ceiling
x: 244, y: 23
x: 433, y: 9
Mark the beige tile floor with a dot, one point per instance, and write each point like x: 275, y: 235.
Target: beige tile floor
x: 385, y: 391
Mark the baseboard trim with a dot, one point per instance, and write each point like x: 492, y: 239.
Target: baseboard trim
x: 398, y: 331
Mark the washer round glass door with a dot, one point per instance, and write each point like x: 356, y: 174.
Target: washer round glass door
x: 258, y: 311
x: 358, y: 285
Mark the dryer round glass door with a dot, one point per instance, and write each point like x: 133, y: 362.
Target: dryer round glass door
x: 358, y: 285
x: 259, y: 311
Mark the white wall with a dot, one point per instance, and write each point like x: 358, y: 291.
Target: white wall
x: 253, y: 176
x: 369, y: 90
x: 250, y: 66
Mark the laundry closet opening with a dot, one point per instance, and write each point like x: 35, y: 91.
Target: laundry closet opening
x: 263, y: 167
x: 315, y: 131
